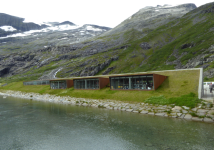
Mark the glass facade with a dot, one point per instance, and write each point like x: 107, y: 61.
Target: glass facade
x: 144, y: 82
x: 86, y: 84
x: 39, y: 82
x: 61, y: 84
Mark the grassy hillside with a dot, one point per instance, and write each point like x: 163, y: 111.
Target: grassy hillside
x: 194, y: 29
x: 185, y: 42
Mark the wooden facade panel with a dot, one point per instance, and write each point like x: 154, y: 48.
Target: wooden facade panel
x: 70, y: 83
x: 158, y: 80
x: 103, y: 82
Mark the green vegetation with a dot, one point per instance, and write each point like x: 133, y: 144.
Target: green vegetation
x: 179, y: 88
x: 172, y: 58
x: 194, y: 114
x: 164, y: 40
x: 190, y: 100
x: 32, y: 74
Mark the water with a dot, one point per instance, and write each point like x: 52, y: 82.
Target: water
x: 26, y: 125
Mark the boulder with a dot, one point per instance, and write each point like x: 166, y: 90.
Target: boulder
x: 188, y: 117
x: 151, y: 113
x: 211, y: 112
x: 135, y: 111
x: 160, y: 114
x: 177, y: 108
x: 197, y: 119
x: 187, y: 45
x: 145, y: 46
x: 184, y: 111
x: 129, y: 110
x: 198, y: 63
x: 182, y: 116
x: 194, y: 109
x: 208, y: 120
x: 202, y: 111
x: 179, y: 114
x: 144, y: 112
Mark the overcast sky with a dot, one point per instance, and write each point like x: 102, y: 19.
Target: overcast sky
x: 108, y: 13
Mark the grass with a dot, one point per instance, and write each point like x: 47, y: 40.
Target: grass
x: 194, y: 114
x: 172, y: 58
x: 175, y: 89
x: 189, y: 100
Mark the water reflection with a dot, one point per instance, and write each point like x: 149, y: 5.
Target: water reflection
x: 28, y: 124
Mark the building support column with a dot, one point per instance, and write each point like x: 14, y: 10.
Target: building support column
x: 85, y: 84
x: 130, y: 83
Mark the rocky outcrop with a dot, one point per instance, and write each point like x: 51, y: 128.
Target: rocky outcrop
x: 108, y: 70
x: 4, y: 71
x: 92, y: 70
x: 145, y: 46
x: 187, y: 45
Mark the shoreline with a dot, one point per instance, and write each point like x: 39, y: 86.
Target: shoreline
x: 200, y: 113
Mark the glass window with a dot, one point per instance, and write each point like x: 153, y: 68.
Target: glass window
x: 86, y: 84
x: 137, y: 82
x: 58, y: 85
x: 39, y: 82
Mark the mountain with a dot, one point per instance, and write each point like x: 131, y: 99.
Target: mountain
x: 152, y: 17
x: 17, y: 24
x: 183, y: 38
x: 47, y: 34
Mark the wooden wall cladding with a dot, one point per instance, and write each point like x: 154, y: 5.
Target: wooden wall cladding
x: 158, y: 80
x: 103, y: 82
x: 70, y: 83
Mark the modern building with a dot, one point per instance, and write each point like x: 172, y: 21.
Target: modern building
x: 136, y: 81
x: 90, y: 83
x: 61, y: 83
x: 37, y: 82
x: 179, y: 80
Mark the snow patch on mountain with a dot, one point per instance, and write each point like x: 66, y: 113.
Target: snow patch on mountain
x: 94, y: 29
x: 83, y: 29
x: 61, y: 28
x: 52, y: 28
x: 8, y: 28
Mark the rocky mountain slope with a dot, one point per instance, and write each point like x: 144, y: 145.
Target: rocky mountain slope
x: 44, y: 35
x: 152, y: 17
x: 178, y: 40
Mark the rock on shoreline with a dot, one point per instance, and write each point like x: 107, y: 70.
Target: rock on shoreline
x: 200, y: 113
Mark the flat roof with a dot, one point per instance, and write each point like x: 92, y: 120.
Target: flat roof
x: 37, y: 80
x: 60, y: 79
x: 124, y: 74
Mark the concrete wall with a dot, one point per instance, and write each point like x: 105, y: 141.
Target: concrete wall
x: 201, y: 86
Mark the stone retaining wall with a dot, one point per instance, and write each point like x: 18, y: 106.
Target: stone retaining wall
x: 203, y: 113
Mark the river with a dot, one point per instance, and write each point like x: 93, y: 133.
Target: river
x: 26, y: 125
